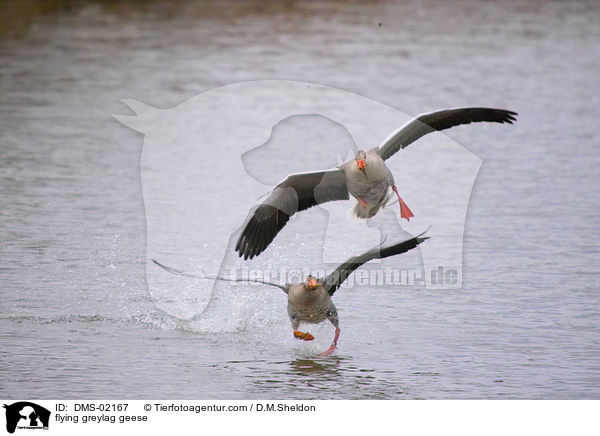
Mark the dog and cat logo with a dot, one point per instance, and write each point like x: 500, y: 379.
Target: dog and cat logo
x: 26, y: 415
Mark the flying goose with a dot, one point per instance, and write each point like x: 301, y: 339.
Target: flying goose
x: 310, y: 302
x: 366, y: 178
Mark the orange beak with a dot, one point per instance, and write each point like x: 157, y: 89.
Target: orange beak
x: 361, y: 166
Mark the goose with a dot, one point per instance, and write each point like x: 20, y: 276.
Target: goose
x: 366, y: 177
x: 310, y: 301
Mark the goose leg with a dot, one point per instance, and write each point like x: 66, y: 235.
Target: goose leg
x: 405, y: 212
x: 332, y: 316
x: 333, y: 345
x: 362, y: 202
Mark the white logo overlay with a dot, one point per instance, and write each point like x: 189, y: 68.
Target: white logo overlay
x: 208, y: 162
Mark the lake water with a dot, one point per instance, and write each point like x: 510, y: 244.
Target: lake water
x: 77, y: 318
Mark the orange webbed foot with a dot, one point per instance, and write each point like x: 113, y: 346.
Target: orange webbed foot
x: 303, y: 336
x: 405, y: 211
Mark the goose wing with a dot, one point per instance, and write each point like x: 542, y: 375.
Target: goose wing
x: 297, y: 192
x: 334, y: 280
x: 216, y: 277
x: 440, y: 120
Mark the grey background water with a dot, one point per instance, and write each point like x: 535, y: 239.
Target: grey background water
x: 76, y: 317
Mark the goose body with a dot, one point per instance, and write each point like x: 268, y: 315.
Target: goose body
x: 311, y: 306
x: 370, y: 187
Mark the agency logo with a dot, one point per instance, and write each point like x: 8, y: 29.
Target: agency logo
x: 26, y: 415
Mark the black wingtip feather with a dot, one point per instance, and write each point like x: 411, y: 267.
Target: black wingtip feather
x: 334, y: 280
x: 266, y: 221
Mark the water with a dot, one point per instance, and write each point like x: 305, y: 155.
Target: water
x: 77, y: 318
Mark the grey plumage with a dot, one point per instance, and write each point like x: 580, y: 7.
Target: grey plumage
x: 295, y: 193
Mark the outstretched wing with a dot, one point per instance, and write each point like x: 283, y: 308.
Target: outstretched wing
x: 440, y: 120
x: 295, y: 193
x: 334, y: 280
x: 215, y: 277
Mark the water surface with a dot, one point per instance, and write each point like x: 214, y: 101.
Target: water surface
x: 77, y: 320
